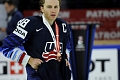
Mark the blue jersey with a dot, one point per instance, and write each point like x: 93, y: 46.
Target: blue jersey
x: 33, y: 34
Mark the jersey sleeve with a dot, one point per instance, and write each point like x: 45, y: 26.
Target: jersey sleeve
x: 68, y: 44
x: 11, y: 44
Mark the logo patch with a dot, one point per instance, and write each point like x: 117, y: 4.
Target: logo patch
x: 20, y: 32
x: 37, y: 30
x: 50, y: 55
x: 64, y: 27
x: 50, y: 52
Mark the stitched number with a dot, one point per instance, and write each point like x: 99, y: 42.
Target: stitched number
x: 22, y: 23
x: 64, y: 27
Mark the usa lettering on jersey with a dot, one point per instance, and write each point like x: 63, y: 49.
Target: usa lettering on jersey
x: 50, y: 52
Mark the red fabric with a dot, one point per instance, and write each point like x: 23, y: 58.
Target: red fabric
x: 57, y: 37
x: 50, y: 55
x: 21, y: 58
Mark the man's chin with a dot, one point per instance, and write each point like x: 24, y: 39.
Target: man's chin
x: 53, y: 19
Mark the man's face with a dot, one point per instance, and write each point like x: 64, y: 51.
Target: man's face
x: 51, y: 9
x: 8, y: 7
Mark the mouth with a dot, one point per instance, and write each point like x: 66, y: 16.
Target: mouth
x: 53, y: 15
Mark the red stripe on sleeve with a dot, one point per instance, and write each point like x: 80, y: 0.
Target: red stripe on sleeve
x: 21, y: 58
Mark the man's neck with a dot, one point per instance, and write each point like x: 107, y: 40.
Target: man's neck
x: 49, y: 21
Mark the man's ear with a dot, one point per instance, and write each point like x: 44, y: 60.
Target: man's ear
x: 42, y: 9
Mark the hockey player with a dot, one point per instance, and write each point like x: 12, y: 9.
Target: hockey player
x: 44, y: 39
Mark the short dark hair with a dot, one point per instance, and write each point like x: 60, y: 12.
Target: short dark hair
x: 11, y: 2
x: 41, y: 2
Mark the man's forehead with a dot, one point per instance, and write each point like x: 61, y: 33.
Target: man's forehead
x: 52, y: 2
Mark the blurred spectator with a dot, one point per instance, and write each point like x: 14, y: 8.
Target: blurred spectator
x: 3, y: 22
x: 13, y: 16
x: 2, y: 36
x: 1, y: 1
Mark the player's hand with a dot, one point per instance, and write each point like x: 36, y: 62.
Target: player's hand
x: 59, y: 57
x: 35, y: 62
x: 67, y: 63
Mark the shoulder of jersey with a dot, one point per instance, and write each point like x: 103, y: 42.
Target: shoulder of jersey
x: 31, y: 22
x: 34, y: 18
x: 34, y: 21
x: 61, y: 20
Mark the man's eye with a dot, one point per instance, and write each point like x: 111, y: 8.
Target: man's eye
x: 56, y: 6
x: 49, y: 7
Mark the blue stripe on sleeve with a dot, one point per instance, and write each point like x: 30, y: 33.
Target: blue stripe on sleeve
x: 19, y: 58
x: 16, y: 41
x: 9, y: 54
x: 14, y: 55
x: 7, y: 40
x: 5, y: 52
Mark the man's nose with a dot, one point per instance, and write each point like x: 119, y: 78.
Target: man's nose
x: 53, y: 10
